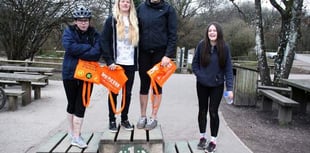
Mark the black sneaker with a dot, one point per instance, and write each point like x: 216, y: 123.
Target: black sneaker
x: 126, y: 124
x: 202, y: 144
x: 112, y: 127
x: 211, y: 147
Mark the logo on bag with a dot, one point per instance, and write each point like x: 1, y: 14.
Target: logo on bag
x: 111, y: 80
x: 89, y: 75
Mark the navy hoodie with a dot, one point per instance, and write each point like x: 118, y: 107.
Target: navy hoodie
x: 79, y: 45
x: 213, y: 75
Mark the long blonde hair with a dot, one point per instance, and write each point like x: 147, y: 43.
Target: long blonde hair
x: 133, y: 23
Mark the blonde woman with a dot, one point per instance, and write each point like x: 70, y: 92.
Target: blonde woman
x: 119, y: 40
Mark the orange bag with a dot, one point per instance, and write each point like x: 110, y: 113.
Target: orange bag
x: 89, y: 72
x: 160, y: 74
x: 114, y: 80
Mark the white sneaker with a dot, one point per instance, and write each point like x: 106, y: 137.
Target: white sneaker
x: 78, y: 142
x: 141, y: 123
x: 151, y: 124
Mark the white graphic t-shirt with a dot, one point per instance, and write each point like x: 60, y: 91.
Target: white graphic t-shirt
x: 125, y: 51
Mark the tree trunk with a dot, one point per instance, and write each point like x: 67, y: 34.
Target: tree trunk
x: 288, y: 38
x: 263, y: 68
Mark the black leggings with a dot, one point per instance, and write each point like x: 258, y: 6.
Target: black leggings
x: 146, y: 61
x: 130, y: 73
x: 73, y: 89
x: 209, y: 97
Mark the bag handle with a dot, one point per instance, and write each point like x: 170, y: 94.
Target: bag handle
x: 154, y: 87
x: 86, y: 102
x: 123, y: 101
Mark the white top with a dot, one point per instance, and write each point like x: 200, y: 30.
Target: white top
x: 125, y: 50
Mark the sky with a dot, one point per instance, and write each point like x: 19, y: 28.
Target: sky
x: 266, y: 3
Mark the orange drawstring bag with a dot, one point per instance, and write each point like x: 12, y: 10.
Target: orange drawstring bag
x: 159, y: 75
x: 114, y: 81
x: 89, y: 72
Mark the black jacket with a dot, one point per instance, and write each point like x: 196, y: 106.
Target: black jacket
x: 158, y: 27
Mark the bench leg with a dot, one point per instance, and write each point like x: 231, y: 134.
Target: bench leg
x: 266, y: 104
x: 37, y: 92
x: 12, y: 100
x: 285, y: 115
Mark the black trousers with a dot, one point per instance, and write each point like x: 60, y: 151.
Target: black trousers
x: 146, y: 61
x: 73, y: 89
x: 209, y: 98
x: 130, y: 73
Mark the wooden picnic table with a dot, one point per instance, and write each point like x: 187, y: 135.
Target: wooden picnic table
x: 25, y: 81
x: 300, y: 91
x: 13, y: 68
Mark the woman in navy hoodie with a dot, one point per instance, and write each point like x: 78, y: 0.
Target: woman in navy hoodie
x: 212, y: 67
x: 81, y: 41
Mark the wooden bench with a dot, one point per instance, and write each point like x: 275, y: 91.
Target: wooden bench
x: 4, y: 83
x: 36, y: 86
x: 286, y: 91
x: 61, y: 143
x: 138, y: 140
x: 285, y: 105
x: 12, y: 97
x: 37, y: 73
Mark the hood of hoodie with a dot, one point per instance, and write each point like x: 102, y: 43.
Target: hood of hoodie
x: 156, y: 6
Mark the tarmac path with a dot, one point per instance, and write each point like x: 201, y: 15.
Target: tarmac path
x: 22, y: 131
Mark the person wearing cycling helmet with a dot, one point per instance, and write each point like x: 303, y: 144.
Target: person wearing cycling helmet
x: 81, y: 41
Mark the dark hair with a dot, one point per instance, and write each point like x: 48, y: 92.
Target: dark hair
x: 207, y: 48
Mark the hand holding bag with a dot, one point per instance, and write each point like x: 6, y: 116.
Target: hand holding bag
x: 89, y: 72
x: 160, y: 74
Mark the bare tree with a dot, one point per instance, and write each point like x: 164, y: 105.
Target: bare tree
x: 260, y: 47
x: 291, y: 15
x: 26, y: 25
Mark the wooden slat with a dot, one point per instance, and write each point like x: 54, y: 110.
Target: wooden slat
x: 155, y: 135
x: 139, y: 135
x: 52, y: 142
x: 124, y: 136
x: 63, y: 146
x: 86, y: 136
x: 107, y: 137
x: 282, y: 100
x: 93, y: 145
x: 182, y: 147
x: 169, y: 147
x: 193, y: 146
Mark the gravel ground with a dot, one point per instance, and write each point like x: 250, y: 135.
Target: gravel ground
x: 261, y: 132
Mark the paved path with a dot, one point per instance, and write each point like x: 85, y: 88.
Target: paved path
x: 24, y: 130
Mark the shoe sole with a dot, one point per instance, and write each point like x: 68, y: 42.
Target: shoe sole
x: 76, y: 145
x: 113, y: 131
x: 127, y: 129
x: 211, y: 151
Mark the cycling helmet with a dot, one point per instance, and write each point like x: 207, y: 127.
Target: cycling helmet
x: 81, y: 12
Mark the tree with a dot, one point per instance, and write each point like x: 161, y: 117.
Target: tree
x: 260, y: 47
x: 26, y: 25
x: 291, y: 14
